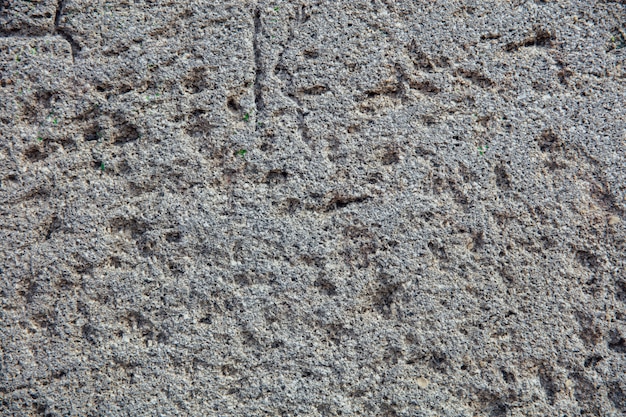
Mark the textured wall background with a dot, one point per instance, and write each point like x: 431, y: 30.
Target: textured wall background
x: 394, y: 208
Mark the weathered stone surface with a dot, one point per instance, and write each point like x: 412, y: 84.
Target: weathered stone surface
x: 396, y: 208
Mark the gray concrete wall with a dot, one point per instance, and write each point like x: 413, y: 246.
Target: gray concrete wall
x: 312, y: 208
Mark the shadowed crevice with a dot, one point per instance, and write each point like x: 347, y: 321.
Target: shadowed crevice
x: 258, y: 62
x: 62, y: 32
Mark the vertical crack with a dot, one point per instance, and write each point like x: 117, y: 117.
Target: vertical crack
x: 58, y: 30
x: 260, y: 75
x: 59, y: 12
x: 258, y: 63
x: 304, y: 131
x: 301, y: 113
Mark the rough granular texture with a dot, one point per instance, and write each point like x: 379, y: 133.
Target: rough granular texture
x: 313, y: 208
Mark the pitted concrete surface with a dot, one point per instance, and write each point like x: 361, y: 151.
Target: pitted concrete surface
x: 312, y: 208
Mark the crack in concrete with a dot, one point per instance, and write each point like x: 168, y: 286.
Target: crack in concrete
x: 59, y: 11
x: 17, y: 33
x: 258, y: 63
x: 300, y: 18
x: 301, y: 114
x: 58, y: 30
